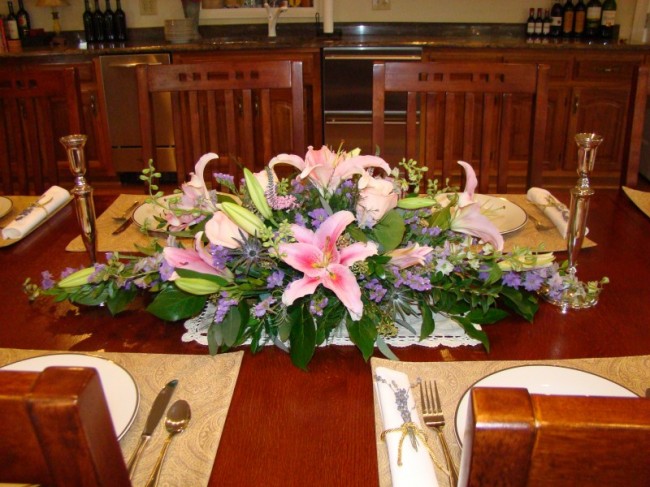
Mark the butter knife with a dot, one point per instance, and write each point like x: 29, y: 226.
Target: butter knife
x: 157, y: 411
x: 124, y: 225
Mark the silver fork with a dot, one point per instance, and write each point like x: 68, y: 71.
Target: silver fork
x: 538, y: 225
x: 435, y: 419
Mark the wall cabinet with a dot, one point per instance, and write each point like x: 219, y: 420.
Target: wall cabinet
x: 588, y: 92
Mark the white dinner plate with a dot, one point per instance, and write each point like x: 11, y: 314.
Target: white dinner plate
x: 506, y: 216
x: 119, y: 387
x: 542, y: 379
x: 146, y: 213
x: 5, y: 206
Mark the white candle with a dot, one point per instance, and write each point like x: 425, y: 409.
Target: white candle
x: 328, y: 16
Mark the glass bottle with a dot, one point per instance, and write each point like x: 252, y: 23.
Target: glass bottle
x: 23, y: 20
x: 580, y: 19
x: 109, y: 22
x: 546, y: 27
x: 120, y: 23
x: 556, y: 19
x: 568, y: 17
x: 592, y: 25
x: 608, y: 19
x: 11, y: 23
x: 539, y: 23
x: 98, y: 23
x: 530, y: 23
x: 88, y: 22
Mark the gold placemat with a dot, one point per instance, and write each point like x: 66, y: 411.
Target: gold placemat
x: 639, y: 198
x: 19, y: 204
x: 123, y: 242
x: 531, y: 237
x: 206, y: 382
x: 454, y: 378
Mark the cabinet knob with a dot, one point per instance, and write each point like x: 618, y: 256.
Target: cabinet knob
x: 93, y: 105
x: 576, y: 104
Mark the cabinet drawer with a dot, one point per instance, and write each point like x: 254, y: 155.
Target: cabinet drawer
x: 601, y: 69
x: 559, y: 67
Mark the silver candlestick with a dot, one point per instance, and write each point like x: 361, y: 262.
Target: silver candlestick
x: 576, y: 294
x: 82, y: 191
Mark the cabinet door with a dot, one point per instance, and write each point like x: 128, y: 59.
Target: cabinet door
x: 603, y: 111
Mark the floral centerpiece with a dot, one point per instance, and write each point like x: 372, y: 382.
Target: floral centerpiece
x: 346, y: 242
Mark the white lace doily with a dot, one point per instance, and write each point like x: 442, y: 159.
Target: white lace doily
x: 447, y: 333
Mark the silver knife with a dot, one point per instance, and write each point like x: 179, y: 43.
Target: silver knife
x: 126, y: 223
x: 157, y: 411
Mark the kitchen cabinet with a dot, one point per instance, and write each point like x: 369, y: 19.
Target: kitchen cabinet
x: 93, y: 119
x: 588, y: 92
x: 280, y: 102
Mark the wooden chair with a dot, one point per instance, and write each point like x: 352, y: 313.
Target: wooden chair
x: 57, y: 430
x: 637, y: 119
x: 519, y: 439
x: 230, y: 108
x: 492, y: 115
x: 30, y: 124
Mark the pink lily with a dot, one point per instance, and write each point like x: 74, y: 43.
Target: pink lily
x: 317, y: 257
x: 467, y: 217
x: 221, y: 230
x: 409, y: 256
x: 197, y: 260
x: 195, y: 190
x: 327, y: 169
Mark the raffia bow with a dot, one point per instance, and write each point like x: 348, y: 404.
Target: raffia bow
x: 408, y: 429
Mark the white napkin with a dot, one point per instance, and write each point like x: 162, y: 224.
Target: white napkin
x: 417, y: 466
x: 555, y: 210
x: 48, y: 203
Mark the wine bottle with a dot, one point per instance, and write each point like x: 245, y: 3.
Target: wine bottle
x: 88, y: 22
x: 23, y: 21
x: 98, y: 23
x: 556, y: 19
x: 608, y: 19
x: 568, y: 18
x: 530, y: 23
x: 539, y: 23
x: 592, y: 24
x: 109, y: 22
x: 120, y: 23
x: 11, y: 23
x: 546, y: 26
x: 580, y: 18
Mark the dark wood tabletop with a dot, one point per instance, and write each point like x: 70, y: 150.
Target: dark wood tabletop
x: 288, y: 427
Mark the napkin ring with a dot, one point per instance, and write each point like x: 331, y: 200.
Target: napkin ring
x: 32, y: 207
x: 410, y: 428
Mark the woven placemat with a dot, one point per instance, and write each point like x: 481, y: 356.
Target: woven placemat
x: 639, y: 198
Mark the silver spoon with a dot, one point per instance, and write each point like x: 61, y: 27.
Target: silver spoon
x: 178, y: 417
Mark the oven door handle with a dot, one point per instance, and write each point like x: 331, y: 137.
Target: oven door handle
x: 372, y: 57
x: 131, y: 65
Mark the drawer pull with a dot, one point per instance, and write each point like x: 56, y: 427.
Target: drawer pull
x: 576, y: 104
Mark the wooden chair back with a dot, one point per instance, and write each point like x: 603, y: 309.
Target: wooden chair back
x: 519, y: 439
x: 30, y: 124
x: 57, y: 430
x: 230, y: 108
x: 492, y: 115
x: 637, y: 120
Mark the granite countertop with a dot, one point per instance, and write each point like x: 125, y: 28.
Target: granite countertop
x: 307, y: 36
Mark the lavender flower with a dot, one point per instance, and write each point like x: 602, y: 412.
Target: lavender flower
x: 48, y: 281
x: 275, y: 279
x: 511, y: 279
x: 220, y: 256
x: 317, y: 305
x: 377, y: 291
x: 165, y: 270
x: 223, y: 306
x: 318, y: 216
x: 532, y: 281
x: 263, y: 307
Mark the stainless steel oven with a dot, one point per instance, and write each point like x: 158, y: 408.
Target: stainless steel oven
x: 347, y: 99
x: 120, y: 92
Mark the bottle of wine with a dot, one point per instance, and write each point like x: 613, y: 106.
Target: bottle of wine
x: 120, y: 23
x: 594, y: 12
x: 556, y: 19
x: 88, y: 22
x: 530, y: 23
x: 580, y: 19
x: 22, y: 18
x: 608, y: 19
x: 546, y: 27
x: 568, y: 18
x: 109, y: 22
x: 11, y: 23
x: 539, y: 23
x: 98, y: 23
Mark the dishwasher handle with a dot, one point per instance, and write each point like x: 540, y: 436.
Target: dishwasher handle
x: 132, y: 65
x: 373, y: 57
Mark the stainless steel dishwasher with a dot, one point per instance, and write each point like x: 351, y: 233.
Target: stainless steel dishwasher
x: 347, y: 99
x: 120, y: 92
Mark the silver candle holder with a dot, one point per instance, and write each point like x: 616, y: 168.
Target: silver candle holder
x: 576, y: 294
x: 82, y: 192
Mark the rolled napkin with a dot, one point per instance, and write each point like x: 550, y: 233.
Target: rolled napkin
x: 416, y: 467
x: 555, y: 210
x: 31, y: 217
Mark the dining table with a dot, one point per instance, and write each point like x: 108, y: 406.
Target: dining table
x: 291, y: 427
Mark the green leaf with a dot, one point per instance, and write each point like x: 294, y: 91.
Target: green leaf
x: 389, y: 231
x: 472, y: 331
x: 120, y: 300
x: 383, y: 348
x: 488, y: 317
x: 172, y: 304
x: 215, y: 338
x: 230, y: 326
x: 523, y: 304
x: 428, y: 323
x: 356, y: 233
x: 363, y: 334
x: 302, y: 336
x: 441, y: 219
